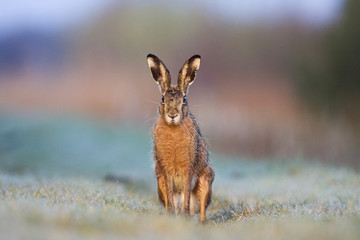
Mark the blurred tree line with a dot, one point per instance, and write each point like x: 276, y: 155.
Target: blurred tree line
x: 247, y: 83
x: 128, y: 32
x: 236, y: 56
x: 327, y: 78
x: 331, y: 85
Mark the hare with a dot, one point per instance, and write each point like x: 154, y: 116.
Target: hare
x: 182, y: 167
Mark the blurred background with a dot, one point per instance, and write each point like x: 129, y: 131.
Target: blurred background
x: 278, y: 79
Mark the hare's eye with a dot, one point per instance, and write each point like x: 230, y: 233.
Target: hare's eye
x: 162, y: 98
x: 184, y: 99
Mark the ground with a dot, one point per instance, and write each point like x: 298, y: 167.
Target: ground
x: 75, y: 179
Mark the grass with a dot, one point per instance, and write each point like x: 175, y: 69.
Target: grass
x: 52, y: 186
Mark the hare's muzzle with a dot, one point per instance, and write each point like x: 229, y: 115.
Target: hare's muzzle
x: 172, y: 116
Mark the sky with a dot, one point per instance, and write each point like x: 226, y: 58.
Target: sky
x: 57, y: 14
x: 47, y: 14
x: 309, y: 11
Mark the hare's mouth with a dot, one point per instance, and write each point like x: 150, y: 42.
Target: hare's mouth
x: 172, y: 120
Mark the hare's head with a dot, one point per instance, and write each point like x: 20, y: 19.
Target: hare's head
x: 174, y: 107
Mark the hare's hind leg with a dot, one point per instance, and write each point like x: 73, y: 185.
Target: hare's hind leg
x: 203, y: 191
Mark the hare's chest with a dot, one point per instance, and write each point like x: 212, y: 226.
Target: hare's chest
x: 174, y: 148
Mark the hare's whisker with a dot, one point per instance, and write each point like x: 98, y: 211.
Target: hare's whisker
x: 151, y: 101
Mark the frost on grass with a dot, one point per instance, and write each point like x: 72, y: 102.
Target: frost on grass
x: 295, y: 189
x: 258, y: 200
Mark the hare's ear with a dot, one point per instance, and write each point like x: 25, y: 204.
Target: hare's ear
x: 188, y: 72
x: 159, y: 72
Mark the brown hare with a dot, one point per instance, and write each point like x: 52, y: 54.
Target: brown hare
x: 182, y: 167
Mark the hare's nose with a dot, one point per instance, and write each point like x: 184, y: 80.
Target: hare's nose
x: 173, y: 115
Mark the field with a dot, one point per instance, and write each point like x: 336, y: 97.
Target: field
x: 74, y: 178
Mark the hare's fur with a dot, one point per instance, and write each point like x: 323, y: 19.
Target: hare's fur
x: 182, y: 167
